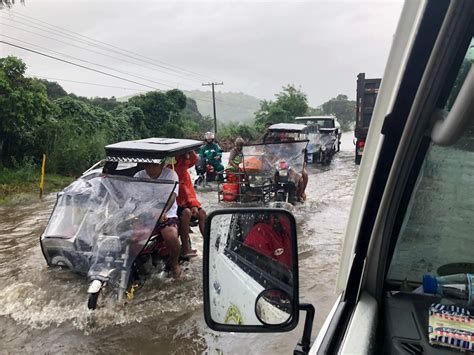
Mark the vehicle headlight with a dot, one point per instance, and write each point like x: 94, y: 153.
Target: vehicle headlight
x: 323, y: 148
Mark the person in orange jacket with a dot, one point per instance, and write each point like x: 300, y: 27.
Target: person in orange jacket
x: 188, y: 204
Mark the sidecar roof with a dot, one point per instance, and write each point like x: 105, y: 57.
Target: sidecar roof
x: 287, y: 127
x: 149, y: 149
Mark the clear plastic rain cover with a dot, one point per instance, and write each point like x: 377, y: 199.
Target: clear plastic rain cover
x: 101, y: 223
x: 265, y: 159
x: 327, y: 140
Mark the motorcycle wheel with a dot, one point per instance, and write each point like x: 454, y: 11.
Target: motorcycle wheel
x: 198, y: 181
x: 92, y: 301
x: 328, y: 160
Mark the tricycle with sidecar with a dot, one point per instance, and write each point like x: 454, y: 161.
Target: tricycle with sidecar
x: 269, y: 172
x: 102, y: 224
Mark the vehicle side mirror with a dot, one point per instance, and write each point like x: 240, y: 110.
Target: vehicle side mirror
x: 251, y: 270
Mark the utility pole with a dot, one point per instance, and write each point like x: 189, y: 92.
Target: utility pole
x: 214, y: 103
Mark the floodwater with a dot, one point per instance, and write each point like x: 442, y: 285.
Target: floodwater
x: 44, y: 310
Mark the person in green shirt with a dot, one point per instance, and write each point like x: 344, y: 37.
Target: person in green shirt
x: 235, y: 156
x: 211, y: 152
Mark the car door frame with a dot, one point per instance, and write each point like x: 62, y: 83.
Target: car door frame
x: 450, y: 49
x: 394, y: 125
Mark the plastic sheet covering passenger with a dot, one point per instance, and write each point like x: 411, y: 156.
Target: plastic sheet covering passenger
x: 101, y: 217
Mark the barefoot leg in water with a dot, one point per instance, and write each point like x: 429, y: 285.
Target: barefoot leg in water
x: 184, y: 222
x: 170, y: 236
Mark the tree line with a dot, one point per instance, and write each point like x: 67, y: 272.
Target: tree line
x: 38, y: 116
x: 291, y: 102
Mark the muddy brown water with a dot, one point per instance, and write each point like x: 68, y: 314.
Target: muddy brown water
x: 44, y: 310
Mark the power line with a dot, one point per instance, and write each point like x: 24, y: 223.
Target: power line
x: 104, y: 73
x: 82, y: 60
x: 214, y: 103
x: 95, y: 70
x: 100, y: 47
x: 112, y: 75
x: 86, y: 83
x: 79, y: 65
x: 69, y: 37
x: 114, y: 87
x: 89, y: 62
x: 108, y: 86
x: 135, y: 56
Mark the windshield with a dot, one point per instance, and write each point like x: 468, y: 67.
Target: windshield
x: 104, y: 211
x: 323, y: 123
x: 282, y: 136
x: 437, y: 230
x: 267, y: 156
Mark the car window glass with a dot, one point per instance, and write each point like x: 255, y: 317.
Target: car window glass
x: 438, y: 225
x: 248, y: 241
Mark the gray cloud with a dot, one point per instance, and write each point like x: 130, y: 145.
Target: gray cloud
x: 253, y: 47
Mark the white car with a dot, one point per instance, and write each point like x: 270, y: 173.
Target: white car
x: 412, y: 210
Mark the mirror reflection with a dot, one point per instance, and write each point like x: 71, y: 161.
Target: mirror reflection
x: 273, y: 307
x: 249, y: 254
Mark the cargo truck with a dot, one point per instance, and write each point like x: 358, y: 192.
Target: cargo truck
x: 367, y: 91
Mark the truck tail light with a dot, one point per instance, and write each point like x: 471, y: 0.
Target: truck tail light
x: 360, y: 144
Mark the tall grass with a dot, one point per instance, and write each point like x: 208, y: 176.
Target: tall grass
x: 23, y: 179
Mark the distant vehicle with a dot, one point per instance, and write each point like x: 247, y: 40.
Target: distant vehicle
x: 324, y: 134
x: 269, y: 172
x: 286, y: 132
x: 367, y: 91
x: 205, y: 173
x: 102, y: 224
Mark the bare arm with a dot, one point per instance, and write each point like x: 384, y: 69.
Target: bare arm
x: 168, y: 206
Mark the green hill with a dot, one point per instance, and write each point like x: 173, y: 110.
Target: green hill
x: 230, y: 106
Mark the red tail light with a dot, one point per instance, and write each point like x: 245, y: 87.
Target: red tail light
x: 360, y: 144
x: 282, y: 164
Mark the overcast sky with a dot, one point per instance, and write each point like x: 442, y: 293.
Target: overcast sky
x: 253, y: 47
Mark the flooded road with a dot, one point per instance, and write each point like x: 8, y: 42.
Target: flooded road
x: 45, y: 310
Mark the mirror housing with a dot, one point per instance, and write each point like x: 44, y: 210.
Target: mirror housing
x: 250, y: 270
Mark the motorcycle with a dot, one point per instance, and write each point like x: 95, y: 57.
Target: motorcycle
x: 269, y: 172
x: 103, y: 224
x: 101, y: 227
x: 206, y: 173
x: 285, y: 186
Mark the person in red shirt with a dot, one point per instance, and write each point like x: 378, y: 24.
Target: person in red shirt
x: 188, y: 204
x: 272, y: 238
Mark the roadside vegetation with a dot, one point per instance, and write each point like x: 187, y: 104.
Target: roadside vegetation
x: 39, y: 117
x: 22, y: 183
x: 288, y: 104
